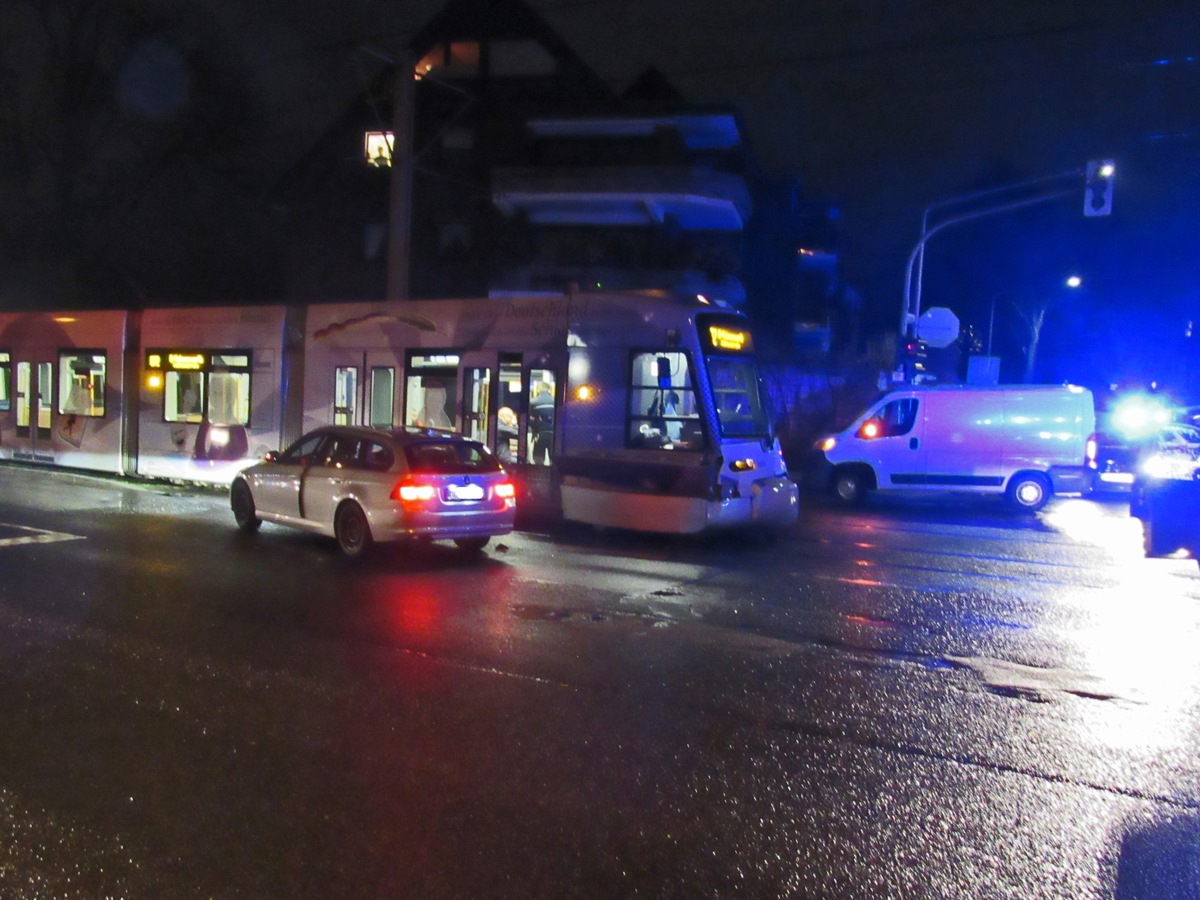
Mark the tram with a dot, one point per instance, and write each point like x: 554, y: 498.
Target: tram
x: 639, y: 410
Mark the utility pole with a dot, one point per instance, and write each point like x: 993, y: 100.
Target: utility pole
x: 399, y: 245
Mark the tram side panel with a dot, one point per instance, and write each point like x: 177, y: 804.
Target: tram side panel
x: 210, y: 398
x: 61, y: 401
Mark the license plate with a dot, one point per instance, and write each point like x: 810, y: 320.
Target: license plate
x: 464, y: 492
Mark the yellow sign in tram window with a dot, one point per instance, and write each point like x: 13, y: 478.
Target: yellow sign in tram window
x: 727, y: 338
x: 191, y: 362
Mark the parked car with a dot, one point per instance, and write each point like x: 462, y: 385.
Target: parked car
x: 1128, y: 427
x: 1166, y: 493
x: 364, y: 485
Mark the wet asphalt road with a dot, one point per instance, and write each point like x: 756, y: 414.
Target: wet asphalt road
x: 926, y: 698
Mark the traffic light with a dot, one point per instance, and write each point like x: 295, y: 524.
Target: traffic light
x: 1098, y: 187
x: 912, y: 358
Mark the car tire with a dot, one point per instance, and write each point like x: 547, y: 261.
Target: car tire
x: 1029, y: 491
x: 848, y: 487
x: 471, y: 545
x: 352, y: 530
x: 1159, y: 541
x: 241, y: 500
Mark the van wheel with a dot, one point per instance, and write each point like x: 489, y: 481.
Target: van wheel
x: 848, y: 486
x: 352, y: 530
x: 1029, y: 491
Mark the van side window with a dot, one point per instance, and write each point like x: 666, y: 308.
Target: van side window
x: 893, y: 419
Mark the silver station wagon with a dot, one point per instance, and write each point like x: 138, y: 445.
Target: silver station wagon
x: 363, y: 485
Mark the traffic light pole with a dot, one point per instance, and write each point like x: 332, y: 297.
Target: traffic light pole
x: 908, y: 321
x: 909, y: 315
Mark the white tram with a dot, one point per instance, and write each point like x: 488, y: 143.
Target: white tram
x: 636, y: 410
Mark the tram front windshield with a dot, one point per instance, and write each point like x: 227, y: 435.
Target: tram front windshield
x: 741, y: 412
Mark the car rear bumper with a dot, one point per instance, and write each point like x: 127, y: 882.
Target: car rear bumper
x: 442, y: 525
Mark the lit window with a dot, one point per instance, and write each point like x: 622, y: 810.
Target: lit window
x: 81, y: 383
x: 377, y: 148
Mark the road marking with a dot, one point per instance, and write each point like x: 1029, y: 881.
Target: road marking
x: 35, y: 536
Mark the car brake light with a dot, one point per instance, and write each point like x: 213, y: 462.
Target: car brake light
x: 1092, y: 448
x: 506, y: 490
x: 412, y: 492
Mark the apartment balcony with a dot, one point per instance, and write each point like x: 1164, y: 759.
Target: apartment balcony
x: 693, y: 199
x: 557, y: 278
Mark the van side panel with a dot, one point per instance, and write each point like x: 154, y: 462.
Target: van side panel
x: 965, y: 439
x: 1045, y: 428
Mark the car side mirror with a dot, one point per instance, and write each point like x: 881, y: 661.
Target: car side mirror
x: 272, y: 456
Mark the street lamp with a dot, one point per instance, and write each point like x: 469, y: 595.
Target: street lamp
x: 1071, y: 281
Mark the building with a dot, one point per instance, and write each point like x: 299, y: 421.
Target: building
x: 529, y: 173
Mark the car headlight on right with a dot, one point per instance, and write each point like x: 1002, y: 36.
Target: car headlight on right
x: 1169, y: 466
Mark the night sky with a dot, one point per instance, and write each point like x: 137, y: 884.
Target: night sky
x: 879, y: 108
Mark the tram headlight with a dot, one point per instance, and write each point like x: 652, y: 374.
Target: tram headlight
x: 586, y: 393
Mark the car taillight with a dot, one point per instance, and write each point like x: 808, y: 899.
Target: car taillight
x: 506, y: 490
x: 1092, y: 446
x: 413, y: 492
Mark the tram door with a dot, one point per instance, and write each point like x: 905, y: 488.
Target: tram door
x: 478, y: 391
x: 34, y: 406
x: 365, y: 389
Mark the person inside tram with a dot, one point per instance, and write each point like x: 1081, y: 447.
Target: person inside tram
x: 506, y: 434
x: 541, y: 423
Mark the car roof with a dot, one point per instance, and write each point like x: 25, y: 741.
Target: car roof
x: 403, y: 435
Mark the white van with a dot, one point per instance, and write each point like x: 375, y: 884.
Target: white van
x: 1026, y: 442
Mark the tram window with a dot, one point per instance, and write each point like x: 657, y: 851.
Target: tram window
x: 229, y: 398
x: 740, y: 410
x: 81, y: 378
x: 510, y: 403
x: 345, y: 395
x: 24, y: 397
x: 431, y: 400
x: 5, y: 382
x: 183, y: 396
x: 383, y: 397
x: 477, y: 397
x: 663, y: 411
x: 45, y: 404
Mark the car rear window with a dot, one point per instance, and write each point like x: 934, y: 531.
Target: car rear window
x: 450, y: 457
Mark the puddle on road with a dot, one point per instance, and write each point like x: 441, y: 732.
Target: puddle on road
x: 533, y: 613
